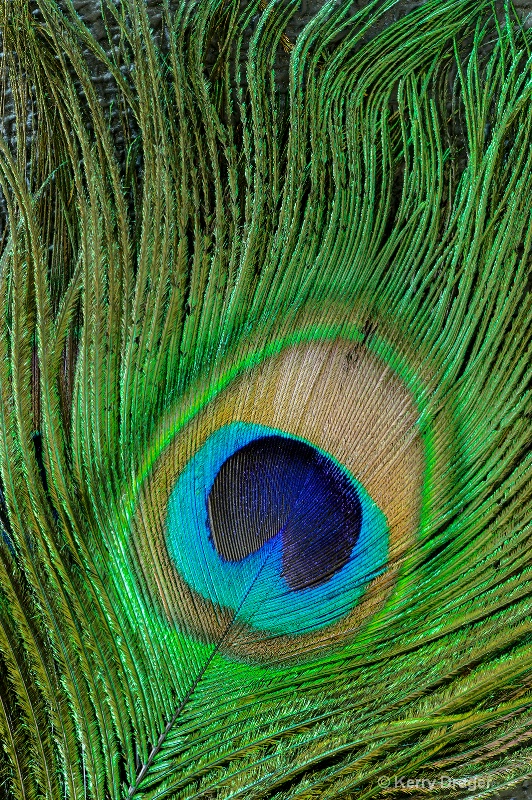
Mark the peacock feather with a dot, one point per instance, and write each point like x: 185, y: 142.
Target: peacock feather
x: 265, y: 401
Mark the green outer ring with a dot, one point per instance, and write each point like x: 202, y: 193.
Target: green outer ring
x: 312, y: 332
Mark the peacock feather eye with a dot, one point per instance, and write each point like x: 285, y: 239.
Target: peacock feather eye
x: 275, y: 512
x: 289, y: 522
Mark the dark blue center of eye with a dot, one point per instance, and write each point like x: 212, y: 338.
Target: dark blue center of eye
x: 275, y: 486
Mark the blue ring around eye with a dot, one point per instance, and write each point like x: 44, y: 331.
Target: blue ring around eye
x: 254, y: 588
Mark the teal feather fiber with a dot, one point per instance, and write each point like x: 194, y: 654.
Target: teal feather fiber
x: 347, y: 263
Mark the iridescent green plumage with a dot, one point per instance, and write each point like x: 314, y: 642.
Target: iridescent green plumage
x: 350, y: 265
